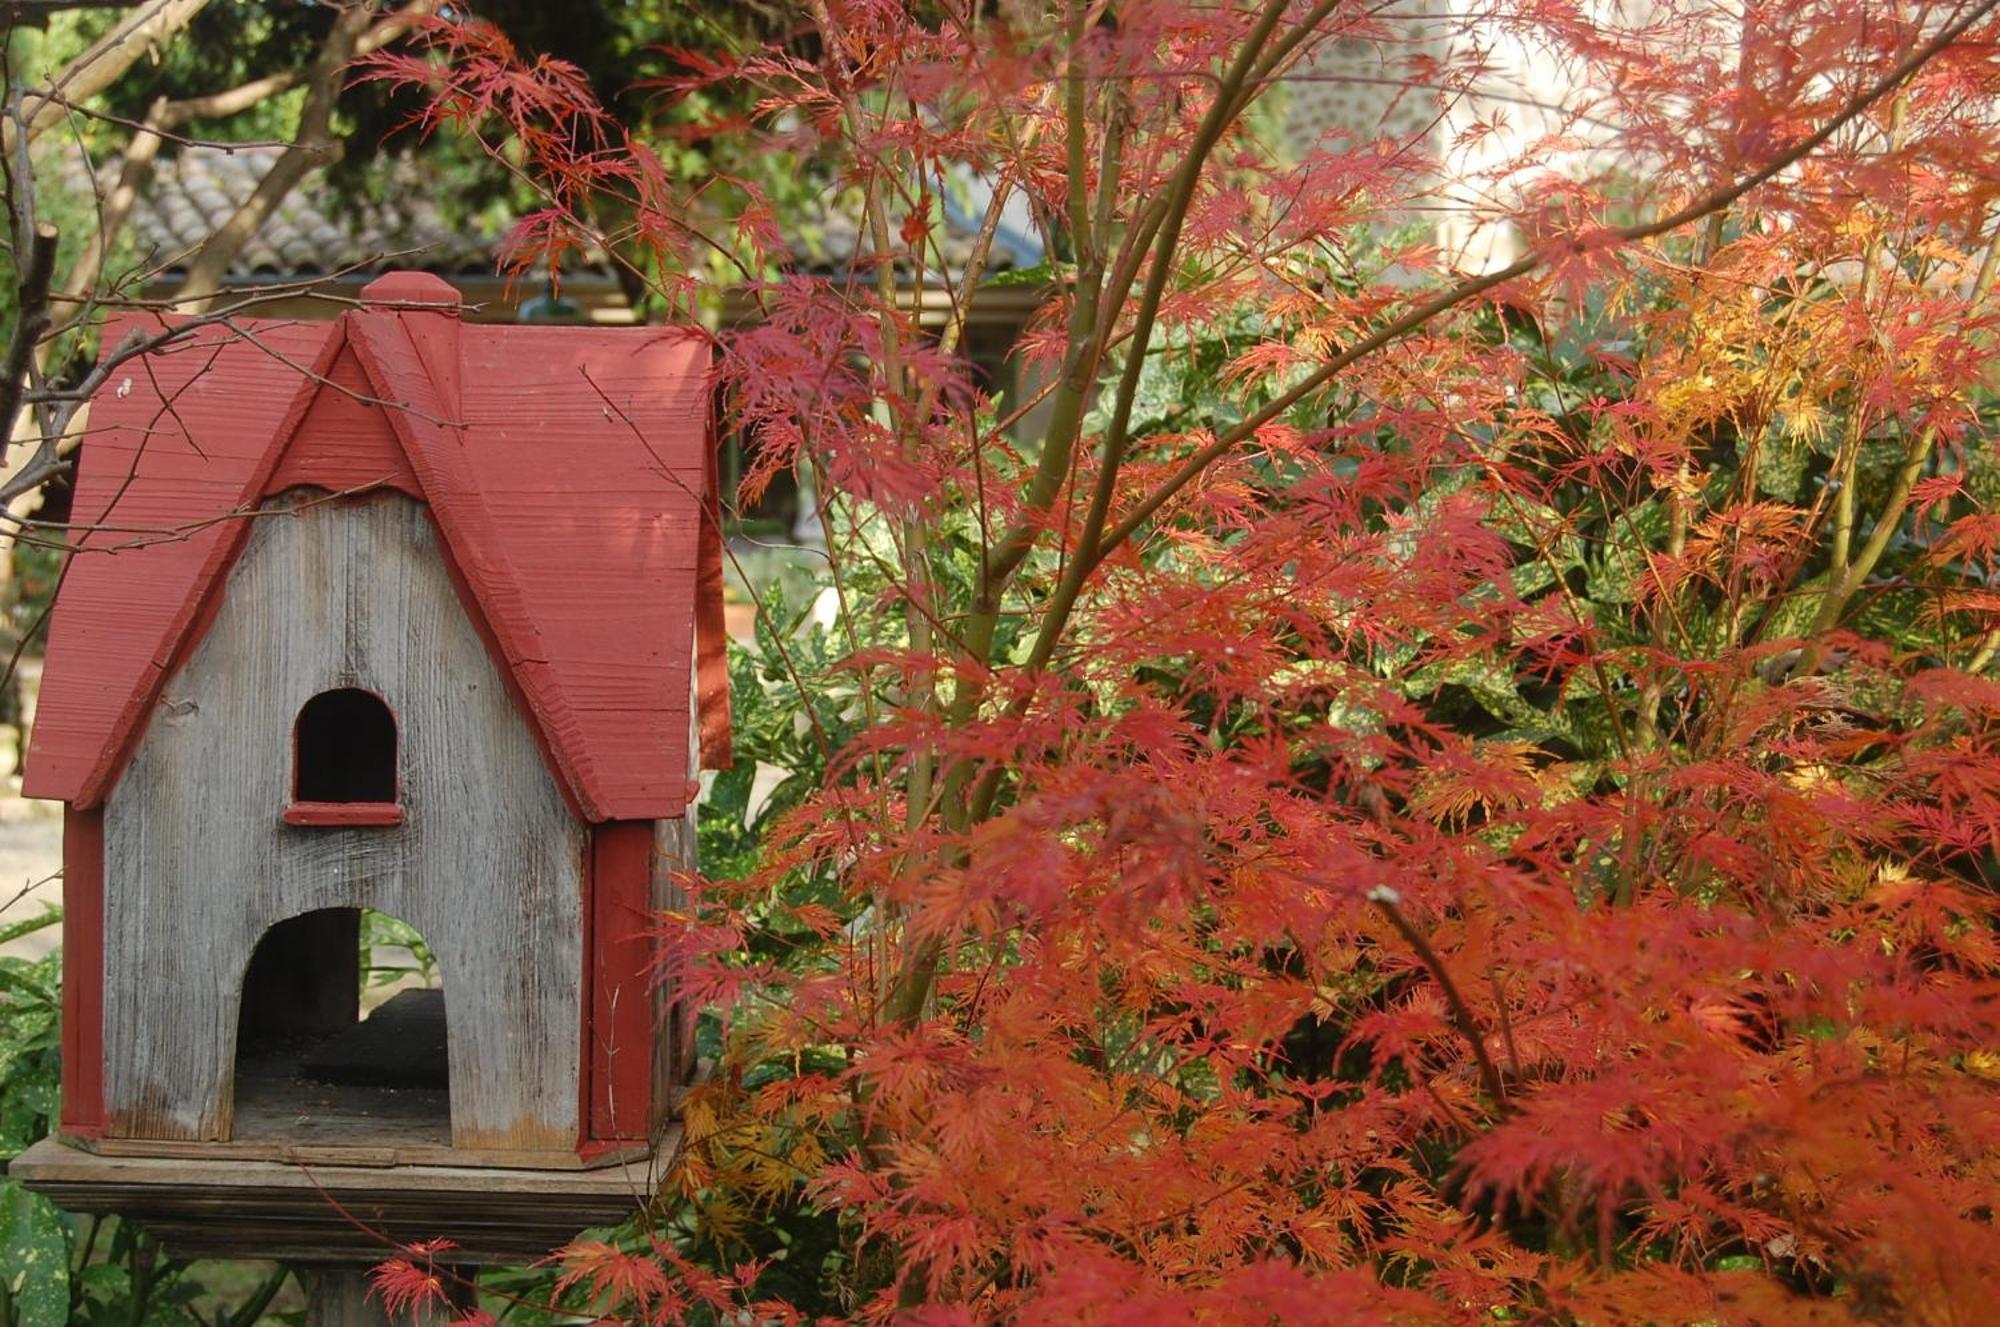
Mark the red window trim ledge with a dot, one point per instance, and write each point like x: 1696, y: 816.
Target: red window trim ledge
x: 307, y: 814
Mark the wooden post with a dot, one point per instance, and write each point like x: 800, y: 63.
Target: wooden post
x: 339, y: 1297
x: 344, y: 1297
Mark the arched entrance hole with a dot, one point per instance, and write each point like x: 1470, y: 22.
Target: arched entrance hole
x: 342, y: 1036
x: 344, y: 762
x: 344, y: 743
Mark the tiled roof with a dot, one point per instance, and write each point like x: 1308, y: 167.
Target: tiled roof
x: 312, y: 232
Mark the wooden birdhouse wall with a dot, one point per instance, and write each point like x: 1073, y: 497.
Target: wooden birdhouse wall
x: 487, y: 863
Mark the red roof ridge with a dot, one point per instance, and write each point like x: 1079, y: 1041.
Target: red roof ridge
x: 423, y: 290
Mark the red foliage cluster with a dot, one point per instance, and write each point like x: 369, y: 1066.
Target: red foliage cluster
x: 1368, y: 794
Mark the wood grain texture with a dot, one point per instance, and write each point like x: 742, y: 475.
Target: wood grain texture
x: 344, y: 1297
x: 676, y: 852
x: 347, y: 1148
x: 567, y: 467
x: 674, y: 855
x: 207, y: 1207
x: 198, y: 862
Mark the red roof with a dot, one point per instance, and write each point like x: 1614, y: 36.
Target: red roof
x: 567, y: 469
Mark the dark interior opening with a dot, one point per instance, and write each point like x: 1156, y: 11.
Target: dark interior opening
x: 345, y: 749
x: 325, y: 1058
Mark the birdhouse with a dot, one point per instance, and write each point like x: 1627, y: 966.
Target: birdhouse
x: 390, y: 615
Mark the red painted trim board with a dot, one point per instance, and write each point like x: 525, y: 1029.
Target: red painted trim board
x: 343, y: 813
x: 83, y: 973
x: 586, y: 1073
x: 618, y: 979
x: 711, y: 632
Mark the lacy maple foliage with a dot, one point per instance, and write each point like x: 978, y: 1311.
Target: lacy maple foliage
x: 1354, y: 791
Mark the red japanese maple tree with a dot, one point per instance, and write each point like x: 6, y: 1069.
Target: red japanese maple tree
x: 1355, y: 791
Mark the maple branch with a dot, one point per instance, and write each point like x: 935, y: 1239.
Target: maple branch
x: 1065, y: 411
x: 1179, y: 198
x: 1076, y: 132
x: 1849, y: 579
x: 1855, y: 107
x: 1844, y: 465
x: 1846, y: 578
x: 1090, y: 336
x: 1231, y: 101
x: 1982, y: 656
x: 1246, y: 76
x: 1462, y: 1017
x: 1847, y: 466
x: 1084, y: 341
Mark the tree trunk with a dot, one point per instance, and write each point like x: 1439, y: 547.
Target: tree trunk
x: 139, y: 32
x: 313, y: 146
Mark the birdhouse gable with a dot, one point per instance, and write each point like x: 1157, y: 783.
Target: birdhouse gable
x: 335, y: 436
x: 567, y: 471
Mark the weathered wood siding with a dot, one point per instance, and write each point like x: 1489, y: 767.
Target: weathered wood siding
x: 674, y: 853
x: 487, y: 864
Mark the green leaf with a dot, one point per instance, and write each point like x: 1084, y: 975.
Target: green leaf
x: 1613, y: 577
x: 29, y: 925
x: 21, y: 981
x: 107, y: 1294
x: 34, y: 1257
x: 1791, y: 617
x: 1781, y: 465
x: 1041, y: 274
x: 729, y: 796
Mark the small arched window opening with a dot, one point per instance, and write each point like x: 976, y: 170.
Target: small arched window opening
x: 341, y: 1036
x: 344, y: 761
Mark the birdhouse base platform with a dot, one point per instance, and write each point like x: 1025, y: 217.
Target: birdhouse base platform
x: 340, y: 1215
